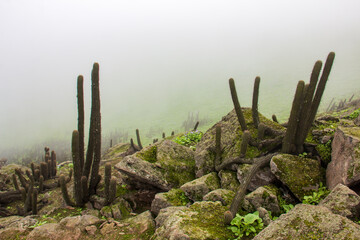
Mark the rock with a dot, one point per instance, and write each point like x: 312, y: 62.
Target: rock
x: 357, y: 121
x: 17, y: 222
x: 345, y: 165
x: 301, y: 175
x: 310, y: 222
x: 264, y: 215
x: 117, y: 151
x: 231, y: 137
x: 162, y: 166
x: 198, y: 188
x: 13, y: 233
x: 202, y: 220
x: 343, y: 201
x: 91, y: 230
x: 228, y: 180
x: 97, y: 201
x: 107, y: 228
x: 175, y: 197
x: 54, y: 231
x: 223, y: 195
x: 80, y: 222
x: 120, y: 209
x: 265, y: 198
x: 263, y: 176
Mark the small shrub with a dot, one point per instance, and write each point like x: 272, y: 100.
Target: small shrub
x: 354, y: 114
x: 189, y: 138
x: 324, y: 151
x: 317, y: 196
x: 247, y: 225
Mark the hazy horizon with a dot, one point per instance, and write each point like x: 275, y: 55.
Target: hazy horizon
x: 160, y: 60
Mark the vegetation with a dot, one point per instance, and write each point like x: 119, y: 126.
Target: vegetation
x: 248, y: 225
x: 317, y: 196
x: 189, y: 139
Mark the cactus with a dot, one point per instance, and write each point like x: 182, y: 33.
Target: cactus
x: 274, y: 118
x: 112, y: 191
x: 261, y: 131
x: 237, y: 106
x: 217, y: 146
x: 163, y: 135
x: 23, y: 181
x: 172, y: 133
x: 34, y: 202
x: 80, y: 103
x: 43, y: 170
x: 53, y: 164
x: 77, y: 168
x: 84, y: 189
x: 244, y: 143
x: 196, y: 125
x: 28, y: 201
x: 30, y: 176
x: 138, y: 139
x: 64, y: 191
x: 289, y: 139
x: 255, y: 113
x: 41, y: 183
x: 32, y: 166
x: 15, y: 182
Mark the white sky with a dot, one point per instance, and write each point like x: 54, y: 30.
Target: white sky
x: 152, y: 51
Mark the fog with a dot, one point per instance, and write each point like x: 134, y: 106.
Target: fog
x: 160, y: 60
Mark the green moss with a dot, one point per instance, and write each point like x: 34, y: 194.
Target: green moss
x: 148, y: 154
x: 117, y: 150
x: 324, y: 151
x: 354, y: 114
x: 61, y: 213
x: 177, y: 197
x: 212, y: 180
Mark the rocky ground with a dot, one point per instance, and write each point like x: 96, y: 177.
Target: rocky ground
x: 170, y: 191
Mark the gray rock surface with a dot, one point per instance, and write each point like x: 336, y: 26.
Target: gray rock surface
x: 228, y: 180
x: 198, y: 188
x: 223, y: 195
x: 263, y: 176
x: 264, y: 198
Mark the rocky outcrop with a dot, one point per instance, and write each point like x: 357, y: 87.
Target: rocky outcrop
x: 343, y: 201
x: 161, y: 166
x: 202, y: 220
x: 228, y: 180
x: 345, y: 165
x: 301, y: 175
x: 175, y: 197
x: 310, y: 222
x: 231, y: 138
x: 198, y: 188
x: 223, y: 195
x: 265, y: 198
x: 120, y: 209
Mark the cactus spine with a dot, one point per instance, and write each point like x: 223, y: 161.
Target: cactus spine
x: 237, y: 106
x: 255, y: 113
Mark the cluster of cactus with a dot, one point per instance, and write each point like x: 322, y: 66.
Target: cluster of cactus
x: 86, y: 170
x: 304, y: 108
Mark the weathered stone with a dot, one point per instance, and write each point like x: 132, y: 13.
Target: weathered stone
x: 357, y: 121
x: 228, y: 180
x: 116, y: 152
x: 161, y: 166
x: 310, y: 222
x: 97, y: 201
x: 265, y: 198
x: 343, y: 201
x: 223, y: 195
x: 263, y: 176
x: 345, y: 165
x: 159, y: 203
x: 17, y: 222
x: 198, y: 188
x: 231, y: 138
x: 80, y: 222
x: 202, y: 220
x: 301, y: 175
x: 264, y: 215
x: 91, y: 230
x: 120, y: 209
x: 107, y: 228
x: 54, y: 231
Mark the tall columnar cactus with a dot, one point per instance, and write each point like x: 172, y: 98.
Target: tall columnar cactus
x: 44, y: 170
x: 64, y: 191
x: 138, y: 139
x: 34, y: 201
x: 53, y: 164
x: 237, y: 106
x: 255, y: 113
x: 261, y: 131
x: 80, y: 103
x: 107, y: 180
x: 217, y: 146
x: 15, y: 182
x: 274, y: 118
x: 244, y: 143
x: 77, y: 168
x: 112, y: 190
x: 196, y: 125
x: 289, y: 139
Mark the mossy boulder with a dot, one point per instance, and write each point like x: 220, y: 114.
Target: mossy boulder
x: 344, y: 167
x: 162, y: 166
x: 115, y: 152
x: 343, y: 201
x: 202, y: 220
x: 310, y: 222
x: 231, y: 138
x: 262, y: 177
x: 198, y: 188
x: 223, y: 195
x: 120, y: 209
x: 175, y: 197
x: 301, y: 175
x: 266, y: 198
x: 228, y: 180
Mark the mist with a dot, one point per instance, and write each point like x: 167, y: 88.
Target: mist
x: 160, y: 60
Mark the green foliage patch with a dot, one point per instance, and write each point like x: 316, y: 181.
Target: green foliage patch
x: 317, y: 196
x: 248, y: 225
x: 189, y: 139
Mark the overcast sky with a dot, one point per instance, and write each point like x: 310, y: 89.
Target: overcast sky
x: 153, y: 53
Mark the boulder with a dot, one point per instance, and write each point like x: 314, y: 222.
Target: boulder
x: 202, y: 220
x: 310, y: 222
x: 343, y: 201
x: 265, y: 198
x: 223, y: 195
x: 120, y: 209
x: 263, y: 176
x: 17, y: 222
x: 80, y: 222
x: 54, y: 231
x: 175, y: 197
x: 231, y: 138
x: 198, y: 188
x: 301, y: 175
x: 228, y: 180
x: 161, y: 166
x: 345, y: 165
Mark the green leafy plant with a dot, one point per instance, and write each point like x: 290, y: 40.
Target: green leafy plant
x: 189, y: 138
x: 38, y: 223
x: 324, y: 151
x: 287, y: 207
x: 354, y: 114
x: 303, y: 155
x: 247, y: 225
x: 317, y: 196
